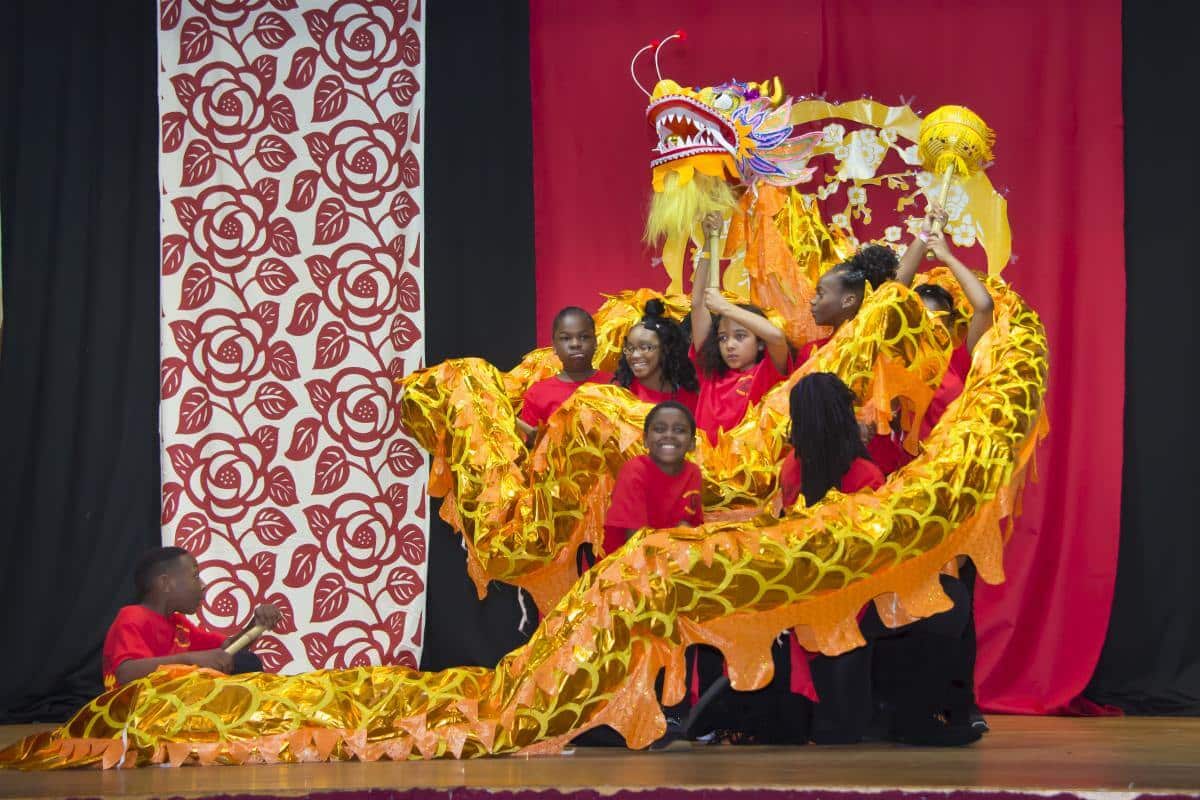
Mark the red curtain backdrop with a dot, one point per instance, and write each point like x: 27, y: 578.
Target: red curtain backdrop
x: 1047, y: 78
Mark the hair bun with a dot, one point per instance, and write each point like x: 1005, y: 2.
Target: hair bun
x: 655, y: 307
x: 878, y: 264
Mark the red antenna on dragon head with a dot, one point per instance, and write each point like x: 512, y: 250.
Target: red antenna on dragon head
x: 656, y: 46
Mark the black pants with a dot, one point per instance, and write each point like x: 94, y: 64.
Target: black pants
x: 922, y: 668
x: 245, y: 661
x: 709, y: 664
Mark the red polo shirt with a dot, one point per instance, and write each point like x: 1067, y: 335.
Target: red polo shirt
x: 138, y: 632
x: 544, y: 397
x: 647, y: 497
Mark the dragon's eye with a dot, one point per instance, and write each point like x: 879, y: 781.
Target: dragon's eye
x: 723, y: 101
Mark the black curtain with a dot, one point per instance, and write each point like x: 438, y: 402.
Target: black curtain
x: 79, y: 367
x: 1151, y: 658
x: 478, y: 271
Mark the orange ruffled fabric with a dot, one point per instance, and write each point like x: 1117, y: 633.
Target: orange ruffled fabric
x: 524, y: 515
x: 594, y: 657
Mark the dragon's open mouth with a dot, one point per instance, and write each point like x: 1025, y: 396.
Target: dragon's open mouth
x: 686, y: 128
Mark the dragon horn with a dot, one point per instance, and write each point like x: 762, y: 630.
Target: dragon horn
x: 633, y: 67
x: 777, y: 94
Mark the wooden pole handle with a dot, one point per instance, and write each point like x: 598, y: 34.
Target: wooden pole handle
x: 244, y: 638
x: 943, y: 193
x: 714, y: 261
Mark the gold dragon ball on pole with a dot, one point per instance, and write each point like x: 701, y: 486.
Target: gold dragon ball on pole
x: 954, y: 142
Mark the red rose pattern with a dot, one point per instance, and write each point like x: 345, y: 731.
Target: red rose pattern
x: 230, y: 105
x: 362, y: 290
x: 291, y: 137
x: 232, y: 591
x: 230, y: 13
x: 358, y: 645
x: 362, y: 163
x: 227, y: 478
x: 363, y: 37
x: 364, y: 536
x: 230, y: 351
x: 230, y: 228
x: 361, y: 414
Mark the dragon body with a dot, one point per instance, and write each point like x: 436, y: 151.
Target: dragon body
x: 734, y: 583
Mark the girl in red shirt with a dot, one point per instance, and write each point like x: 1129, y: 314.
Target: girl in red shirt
x: 574, y: 340
x: 827, y: 453
x: 662, y: 488
x: 654, y: 364
x: 741, y: 354
x: 827, y: 450
x: 938, y: 302
x: 839, y: 293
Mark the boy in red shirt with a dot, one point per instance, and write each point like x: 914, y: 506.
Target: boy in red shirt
x: 574, y: 339
x: 155, y: 632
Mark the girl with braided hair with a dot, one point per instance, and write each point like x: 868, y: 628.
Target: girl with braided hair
x: 827, y: 449
x: 914, y: 672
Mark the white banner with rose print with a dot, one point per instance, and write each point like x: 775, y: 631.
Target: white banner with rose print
x: 290, y: 164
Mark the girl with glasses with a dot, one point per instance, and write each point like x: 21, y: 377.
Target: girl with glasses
x: 654, y: 365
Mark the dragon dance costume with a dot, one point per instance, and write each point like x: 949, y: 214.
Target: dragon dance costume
x: 735, y: 582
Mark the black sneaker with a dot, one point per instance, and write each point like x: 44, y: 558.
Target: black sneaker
x: 977, y: 721
x: 673, y: 734
x: 931, y: 730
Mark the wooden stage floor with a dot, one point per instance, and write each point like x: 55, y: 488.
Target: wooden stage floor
x: 1112, y: 758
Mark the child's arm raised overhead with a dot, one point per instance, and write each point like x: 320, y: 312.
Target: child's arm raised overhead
x: 977, y: 294
x: 701, y: 318
x: 910, y: 262
x: 763, y: 328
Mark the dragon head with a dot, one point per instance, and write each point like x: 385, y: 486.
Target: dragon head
x: 736, y: 131
x: 710, y: 141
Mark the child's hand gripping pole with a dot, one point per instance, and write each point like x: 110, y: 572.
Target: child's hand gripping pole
x: 711, y: 224
x: 943, y: 194
x: 245, y: 638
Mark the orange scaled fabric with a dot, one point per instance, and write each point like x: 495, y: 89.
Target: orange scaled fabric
x: 594, y: 657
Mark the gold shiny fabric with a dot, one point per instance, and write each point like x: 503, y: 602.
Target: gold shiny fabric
x: 734, y: 583
x: 594, y: 658
x: 523, y: 516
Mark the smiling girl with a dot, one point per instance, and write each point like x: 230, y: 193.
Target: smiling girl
x: 662, y: 488
x: 654, y: 364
